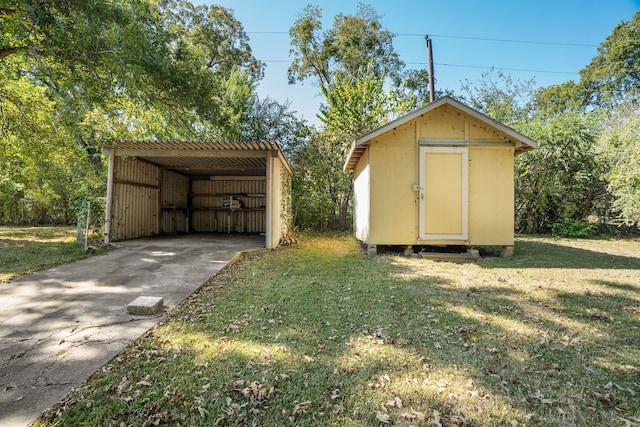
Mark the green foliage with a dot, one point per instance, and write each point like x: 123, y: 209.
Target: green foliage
x: 610, y: 79
x: 562, y: 179
x: 77, y: 72
x: 501, y: 97
x: 560, y: 184
x: 354, y: 105
x: 352, y: 42
x: 613, y: 75
x: 322, y: 193
x: 573, y: 228
x: 620, y: 145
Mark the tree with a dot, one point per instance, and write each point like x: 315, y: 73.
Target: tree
x: 352, y: 44
x: 354, y: 105
x: 351, y: 63
x: 613, y: 75
x: 561, y: 181
x: 620, y: 145
x: 109, y: 71
x: 611, y: 78
x: 501, y: 97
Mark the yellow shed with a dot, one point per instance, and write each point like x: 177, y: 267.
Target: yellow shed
x: 439, y: 176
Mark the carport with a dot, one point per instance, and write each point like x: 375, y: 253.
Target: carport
x: 166, y: 188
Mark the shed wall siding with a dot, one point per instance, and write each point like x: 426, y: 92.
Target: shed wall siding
x: 491, y: 196
x: 135, y: 200
x: 393, y: 160
x: 208, y: 214
x: 174, y: 192
x: 448, y: 123
x: 361, y: 199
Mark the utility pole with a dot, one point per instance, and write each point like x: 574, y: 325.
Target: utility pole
x: 430, y: 61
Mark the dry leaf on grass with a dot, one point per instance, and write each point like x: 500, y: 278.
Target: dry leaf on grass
x: 383, y: 417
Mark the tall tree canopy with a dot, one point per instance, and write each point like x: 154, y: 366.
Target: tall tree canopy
x: 611, y: 78
x: 351, y: 63
x: 113, y: 70
x: 354, y: 45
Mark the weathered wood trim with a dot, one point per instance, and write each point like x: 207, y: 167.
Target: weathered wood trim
x: 160, y: 211
x: 269, y: 204
x: 237, y: 178
x: 453, y: 143
x: 109, y: 203
x: 136, y: 184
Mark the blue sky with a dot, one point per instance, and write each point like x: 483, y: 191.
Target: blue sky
x: 566, y: 32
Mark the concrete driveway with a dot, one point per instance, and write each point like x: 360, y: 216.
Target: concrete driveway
x: 59, y: 326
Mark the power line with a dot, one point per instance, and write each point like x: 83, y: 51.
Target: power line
x: 464, y: 38
x: 281, y: 61
x: 497, y: 68
x: 502, y: 40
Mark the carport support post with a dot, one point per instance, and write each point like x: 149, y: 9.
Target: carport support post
x: 269, y: 204
x: 109, y: 207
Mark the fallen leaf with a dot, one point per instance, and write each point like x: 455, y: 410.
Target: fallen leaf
x: 436, y: 418
x: 383, y: 417
x: 203, y: 412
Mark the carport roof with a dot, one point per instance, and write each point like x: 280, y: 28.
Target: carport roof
x: 201, y: 158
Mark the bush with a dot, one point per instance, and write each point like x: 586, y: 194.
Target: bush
x: 575, y: 229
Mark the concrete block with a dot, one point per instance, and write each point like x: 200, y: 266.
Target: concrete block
x: 507, y: 252
x: 372, y: 250
x: 145, y: 306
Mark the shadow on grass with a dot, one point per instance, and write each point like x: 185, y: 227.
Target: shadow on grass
x: 530, y: 253
x: 339, y: 337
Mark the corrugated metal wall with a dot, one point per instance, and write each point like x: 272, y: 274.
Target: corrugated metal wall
x: 208, y: 213
x: 135, y: 199
x: 174, y: 191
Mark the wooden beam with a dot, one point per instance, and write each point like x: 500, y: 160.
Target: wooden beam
x: 238, y: 178
x: 253, y: 154
x: 136, y: 184
x: 214, y: 168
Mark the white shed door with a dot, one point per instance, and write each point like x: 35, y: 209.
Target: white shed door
x: 444, y: 193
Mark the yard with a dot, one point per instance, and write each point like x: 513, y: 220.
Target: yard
x: 324, y: 335
x: 24, y: 250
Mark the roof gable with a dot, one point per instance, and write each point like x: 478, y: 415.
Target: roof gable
x: 522, y: 143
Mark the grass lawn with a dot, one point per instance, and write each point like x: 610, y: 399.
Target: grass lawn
x: 323, y: 335
x: 24, y: 250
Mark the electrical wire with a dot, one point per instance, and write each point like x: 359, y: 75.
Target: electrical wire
x: 501, y: 40
x: 464, y: 38
x: 482, y: 67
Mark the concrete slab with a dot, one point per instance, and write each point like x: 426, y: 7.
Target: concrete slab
x: 145, y: 306
x: 59, y: 326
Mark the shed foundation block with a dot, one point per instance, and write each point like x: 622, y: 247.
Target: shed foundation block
x: 145, y: 306
x: 507, y: 252
x: 372, y: 250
